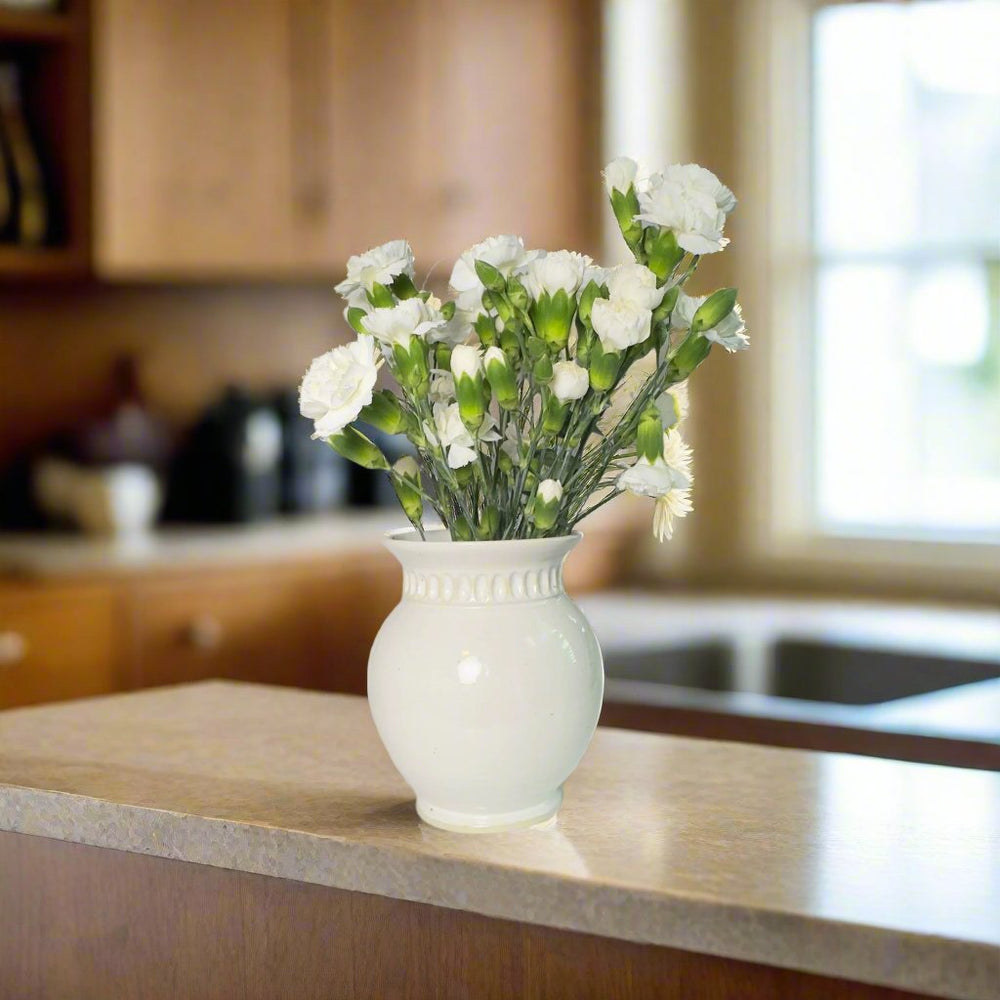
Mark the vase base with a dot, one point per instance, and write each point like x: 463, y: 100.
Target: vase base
x: 461, y: 822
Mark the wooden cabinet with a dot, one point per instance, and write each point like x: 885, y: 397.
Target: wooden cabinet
x: 300, y: 626
x: 276, y: 137
x: 57, y: 643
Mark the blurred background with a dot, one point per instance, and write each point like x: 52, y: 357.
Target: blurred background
x: 182, y: 181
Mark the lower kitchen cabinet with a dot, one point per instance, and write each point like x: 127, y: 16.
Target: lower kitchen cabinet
x: 58, y: 642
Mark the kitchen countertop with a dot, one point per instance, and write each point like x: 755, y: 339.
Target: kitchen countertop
x: 45, y: 555
x: 871, y: 870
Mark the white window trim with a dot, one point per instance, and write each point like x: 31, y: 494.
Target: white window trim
x: 774, y: 177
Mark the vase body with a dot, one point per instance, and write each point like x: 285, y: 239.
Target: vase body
x: 485, y: 682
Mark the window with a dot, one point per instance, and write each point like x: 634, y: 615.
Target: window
x: 905, y: 400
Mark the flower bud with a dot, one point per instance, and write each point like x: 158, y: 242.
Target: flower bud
x: 442, y: 356
x: 554, y: 415
x: 491, y: 278
x: 448, y: 311
x: 486, y: 329
x: 411, y: 364
x: 405, y: 479
x: 691, y: 353
x: 385, y: 413
x: 591, y: 292
x: 545, y: 509
x: 516, y: 293
x: 604, y: 366
x: 501, y: 378
x: 714, y: 310
x: 460, y: 530
x: 649, y: 435
x: 357, y: 448
x: 569, y: 381
x: 467, y: 367
x: 542, y: 370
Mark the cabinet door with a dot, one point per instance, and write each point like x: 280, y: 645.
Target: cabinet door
x: 57, y: 643
x: 514, y: 92
x: 193, y: 137
x: 249, y: 626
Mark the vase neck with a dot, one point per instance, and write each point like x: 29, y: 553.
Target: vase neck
x: 481, y: 573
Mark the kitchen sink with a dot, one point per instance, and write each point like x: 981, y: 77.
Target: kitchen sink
x: 805, y: 670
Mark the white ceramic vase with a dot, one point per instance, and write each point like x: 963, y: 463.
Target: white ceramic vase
x: 485, y: 682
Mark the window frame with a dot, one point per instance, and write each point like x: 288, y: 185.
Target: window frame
x: 775, y: 171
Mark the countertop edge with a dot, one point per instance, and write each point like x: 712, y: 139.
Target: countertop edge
x: 953, y: 968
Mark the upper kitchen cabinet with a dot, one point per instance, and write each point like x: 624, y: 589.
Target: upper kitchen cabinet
x: 273, y: 138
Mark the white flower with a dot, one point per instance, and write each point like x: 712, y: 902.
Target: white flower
x: 569, y: 381
x: 619, y: 324
x: 620, y: 174
x: 407, y: 466
x: 397, y: 324
x: 455, y: 331
x: 380, y: 264
x: 730, y: 332
x: 505, y: 253
x: 654, y: 479
x: 667, y: 479
x: 497, y: 355
x: 562, y: 270
x: 635, y: 283
x: 454, y: 437
x: 673, y: 405
x: 692, y: 202
x: 467, y: 361
x: 550, y: 491
x: 595, y: 273
x: 676, y: 503
x: 442, y: 387
x: 337, y: 385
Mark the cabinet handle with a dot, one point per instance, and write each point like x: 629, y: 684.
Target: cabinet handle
x: 13, y: 648
x: 204, y: 633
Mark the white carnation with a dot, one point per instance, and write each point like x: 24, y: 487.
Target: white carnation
x: 380, y: 265
x: 635, y: 283
x: 692, y: 202
x: 562, y: 270
x: 467, y: 361
x: 505, y: 253
x: 397, y: 324
x: 619, y: 325
x: 620, y: 174
x: 449, y: 432
x: 338, y: 385
x: 550, y: 490
x: 569, y: 381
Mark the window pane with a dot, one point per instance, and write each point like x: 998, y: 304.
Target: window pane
x: 907, y: 125
x: 907, y: 223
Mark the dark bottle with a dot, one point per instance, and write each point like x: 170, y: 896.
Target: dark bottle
x: 30, y: 218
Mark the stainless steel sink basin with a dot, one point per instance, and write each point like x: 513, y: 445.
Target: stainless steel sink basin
x: 805, y: 670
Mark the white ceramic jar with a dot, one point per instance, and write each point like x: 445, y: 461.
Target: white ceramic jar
x: 485, y: 682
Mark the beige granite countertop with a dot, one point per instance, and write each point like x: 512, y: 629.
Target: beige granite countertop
x: 58, y: 555
x: 871, y: 870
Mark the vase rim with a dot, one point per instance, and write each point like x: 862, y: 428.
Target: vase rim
x: 409, y: 536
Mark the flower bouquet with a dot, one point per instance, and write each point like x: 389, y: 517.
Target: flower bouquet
x: 548, y: 384
x: 545, y: 387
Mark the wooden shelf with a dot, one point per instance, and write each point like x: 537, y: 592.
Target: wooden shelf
x: 20, y: 263
x: 35, y: 26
